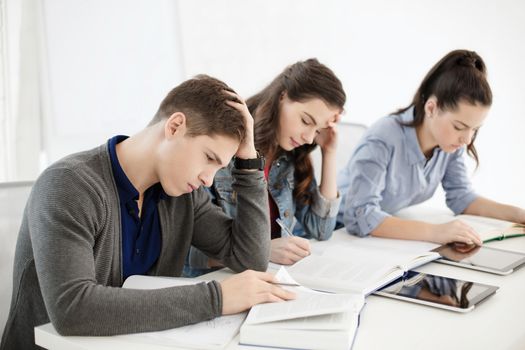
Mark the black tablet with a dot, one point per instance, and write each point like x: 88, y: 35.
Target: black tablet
x: 437, y: 291
x: 488, y: 259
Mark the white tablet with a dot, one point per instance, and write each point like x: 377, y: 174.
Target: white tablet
x: 438, y: 291
x: 488, y: 259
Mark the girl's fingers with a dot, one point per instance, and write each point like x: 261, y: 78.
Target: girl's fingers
x: 302, y: 243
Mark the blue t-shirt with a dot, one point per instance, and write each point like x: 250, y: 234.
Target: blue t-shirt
x: 389, y: 172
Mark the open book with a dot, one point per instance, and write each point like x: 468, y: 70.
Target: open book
x: 361, y: 265
x: 213, y: 334
x: 314, y: 320
x: 492, y: 229
x: 488, y: 229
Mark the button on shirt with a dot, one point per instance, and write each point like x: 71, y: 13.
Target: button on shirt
x: 389, y: 172
x: 141, y: 238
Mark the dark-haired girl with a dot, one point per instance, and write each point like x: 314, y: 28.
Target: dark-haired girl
x: 404, y: 157
x: 295, y: 113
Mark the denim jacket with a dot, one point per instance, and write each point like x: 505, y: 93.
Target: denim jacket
x: 317, y: 220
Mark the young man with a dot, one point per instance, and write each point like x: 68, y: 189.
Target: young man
x: 134, y: 206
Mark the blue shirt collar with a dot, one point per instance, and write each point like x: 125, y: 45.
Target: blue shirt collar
x: 128, y: 192
x: 414, y: 153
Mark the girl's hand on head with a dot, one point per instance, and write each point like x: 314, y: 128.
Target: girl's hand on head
x: 327, y: 137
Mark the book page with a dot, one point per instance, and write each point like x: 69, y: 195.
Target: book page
x: 485, y: 227
x: 406, y: 254
x: 328, y: 273
x: 340, y: 320
x: 490, y: 228
x: 307, y: 303
x: 391, y: 246
x: 212, y: 334
x: 361, y: 265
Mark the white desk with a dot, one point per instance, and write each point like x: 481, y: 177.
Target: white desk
x: 497, y: 323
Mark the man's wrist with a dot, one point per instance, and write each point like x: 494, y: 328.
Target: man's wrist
x: 254, y: 163
x: 247, y: 152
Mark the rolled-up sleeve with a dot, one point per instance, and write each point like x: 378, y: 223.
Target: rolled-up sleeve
x: 325, y: 207
x: 457, y: 185
x: 318, y: 219
x: 368, y: 168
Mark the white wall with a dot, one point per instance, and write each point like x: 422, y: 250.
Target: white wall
x: 109, y: 63
x: 381, y: 50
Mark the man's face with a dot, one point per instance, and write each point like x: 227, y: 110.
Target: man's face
x: 185, y: 163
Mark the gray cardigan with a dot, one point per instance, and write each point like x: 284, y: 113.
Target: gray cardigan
x: 68, y: 265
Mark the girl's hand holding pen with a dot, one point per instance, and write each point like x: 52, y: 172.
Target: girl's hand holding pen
x: 288, y: 249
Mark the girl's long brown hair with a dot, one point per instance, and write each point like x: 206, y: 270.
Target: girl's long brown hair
x: 301, y: 81
x: 459, y: 76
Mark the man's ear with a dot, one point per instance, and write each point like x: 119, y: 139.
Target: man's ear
x: 175, y: 125
x: 431, y: 107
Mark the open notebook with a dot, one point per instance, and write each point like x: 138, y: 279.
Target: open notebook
x: 361, y: 265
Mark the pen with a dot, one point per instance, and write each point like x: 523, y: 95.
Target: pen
x: 286, y: 284
x: 284, y: 229
x: 504, y: 236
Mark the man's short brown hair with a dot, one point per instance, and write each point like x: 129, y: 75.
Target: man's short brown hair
x: 203, y: 102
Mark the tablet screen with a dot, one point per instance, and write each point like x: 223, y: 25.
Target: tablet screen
x: 438, y: 291
x: 481, y: 258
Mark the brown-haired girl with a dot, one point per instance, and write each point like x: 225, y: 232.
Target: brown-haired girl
x: 404, y: 157
x: 295, y: 113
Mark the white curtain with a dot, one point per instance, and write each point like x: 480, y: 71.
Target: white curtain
x: 21, y: 128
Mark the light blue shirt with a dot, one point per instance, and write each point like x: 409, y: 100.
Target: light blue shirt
x: 389, y: 172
